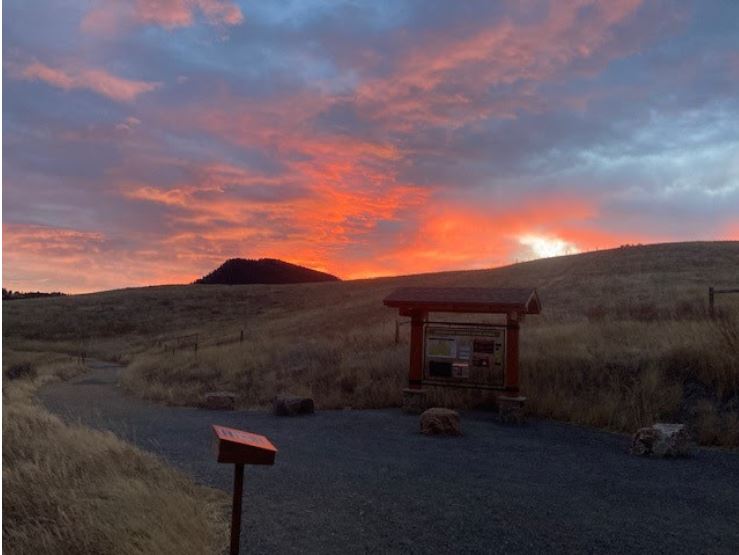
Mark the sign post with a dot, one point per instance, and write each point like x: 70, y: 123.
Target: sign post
x: 240, y: 447
x: 236, y: 508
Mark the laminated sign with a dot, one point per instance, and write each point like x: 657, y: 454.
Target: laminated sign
x: 240, y: 447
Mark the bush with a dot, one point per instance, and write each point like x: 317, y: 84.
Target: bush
x: 21, y: 370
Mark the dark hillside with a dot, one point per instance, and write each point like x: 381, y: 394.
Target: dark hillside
x: 240, y: 271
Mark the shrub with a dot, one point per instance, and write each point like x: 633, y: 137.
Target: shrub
x: 21, y: 370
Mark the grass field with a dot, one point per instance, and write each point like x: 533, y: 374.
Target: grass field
x: 623, y: 339
x: 69, y: 489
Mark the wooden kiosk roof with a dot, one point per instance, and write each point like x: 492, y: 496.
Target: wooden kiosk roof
x: 500, y: 300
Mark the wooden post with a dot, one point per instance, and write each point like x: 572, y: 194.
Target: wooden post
x: 236, y: 509
x: 710, y: 302
x: 241, y: 337
x: 415, y: 371
x: 239, y: 447
x: 397, y: 331
x: 511, y: 369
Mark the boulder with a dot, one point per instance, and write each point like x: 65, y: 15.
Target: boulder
x: 414, y: 401
x: 511, y: 409
x: 439, y: 421
x: 662, y: 440
x: 220, y: 400
x: 292, y: 405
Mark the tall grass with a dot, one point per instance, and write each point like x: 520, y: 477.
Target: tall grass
x: 626, y: 374
x: 69, y: 489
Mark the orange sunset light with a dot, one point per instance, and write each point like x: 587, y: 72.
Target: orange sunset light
x: 395, y: 141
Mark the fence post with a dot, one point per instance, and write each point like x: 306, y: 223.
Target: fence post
x: 397, y: 331
x: 710, y: 302
x: 241, y: 337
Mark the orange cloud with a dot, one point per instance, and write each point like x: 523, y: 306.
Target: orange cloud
x: 457, y: 235
x: 112, y: 16
x: 19, y: 237
x: 443, y: 81
x: 341, y: 199
x: 81, y: 261
x: 354, y: 183
x: 97, y: 80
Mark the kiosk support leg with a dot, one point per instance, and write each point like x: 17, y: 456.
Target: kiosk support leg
x: 415, y: 374
x: 236, y: 509
x: 511, y: 379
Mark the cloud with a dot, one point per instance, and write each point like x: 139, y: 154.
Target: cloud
x: 368, y: 138
x: 96, y: 80
x: 493, y: 70
x: 82, y: 260
x: 110, y: 17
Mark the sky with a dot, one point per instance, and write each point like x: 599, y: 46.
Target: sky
x: 145, y: 142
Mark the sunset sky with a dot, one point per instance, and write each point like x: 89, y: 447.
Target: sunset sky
x: 145, y: 142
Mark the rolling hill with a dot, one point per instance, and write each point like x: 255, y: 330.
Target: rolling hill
x: 623, y: 338
x: 240, y: 271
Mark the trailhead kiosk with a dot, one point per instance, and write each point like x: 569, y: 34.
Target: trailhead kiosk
x: 463, y: 354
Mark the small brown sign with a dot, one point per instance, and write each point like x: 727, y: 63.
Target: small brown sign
x: 240, y: 447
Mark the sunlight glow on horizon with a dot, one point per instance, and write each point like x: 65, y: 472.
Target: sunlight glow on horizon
x: 547, y: 247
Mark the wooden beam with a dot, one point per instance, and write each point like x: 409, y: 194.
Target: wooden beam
x: 415, y: 370
x: 511, y: 370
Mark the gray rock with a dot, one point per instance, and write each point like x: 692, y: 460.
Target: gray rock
x: 292, y: 405
x: 662, y: 440
x: 220, y: 400
x: 512, y: 409
x: 440, y: 421
x: 414, y: 401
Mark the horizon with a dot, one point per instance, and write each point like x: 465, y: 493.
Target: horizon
x: 381, y: 276
x: 363, y: 139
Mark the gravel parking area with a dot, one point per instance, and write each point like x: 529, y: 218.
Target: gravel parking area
x: 367, y: 481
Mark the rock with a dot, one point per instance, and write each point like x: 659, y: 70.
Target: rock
x: 414, y: 401
x: 662, y: 440
x: 511, y: 409
x: 643, y: 441
x: 439, y: 421
x: 220, y: 400
x: 292, y: 405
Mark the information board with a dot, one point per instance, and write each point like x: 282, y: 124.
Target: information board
x: 464, y: 354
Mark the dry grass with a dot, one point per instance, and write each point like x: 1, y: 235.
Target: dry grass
x: 624, y: 337
x: 624, y: 374
x: 69, y: 489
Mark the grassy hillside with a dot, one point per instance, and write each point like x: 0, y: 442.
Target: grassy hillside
x: 69, y: 489
x: 623, y: 338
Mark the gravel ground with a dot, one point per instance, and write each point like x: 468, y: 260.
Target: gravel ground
x: 367, y: 481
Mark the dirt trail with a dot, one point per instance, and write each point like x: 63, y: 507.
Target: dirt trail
x: 367, y: 481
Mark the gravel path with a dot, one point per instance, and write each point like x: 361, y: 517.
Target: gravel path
x: 367, y: 481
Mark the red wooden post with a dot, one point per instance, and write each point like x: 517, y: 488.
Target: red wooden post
x: 415, y: 375
x: 511, y: 371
